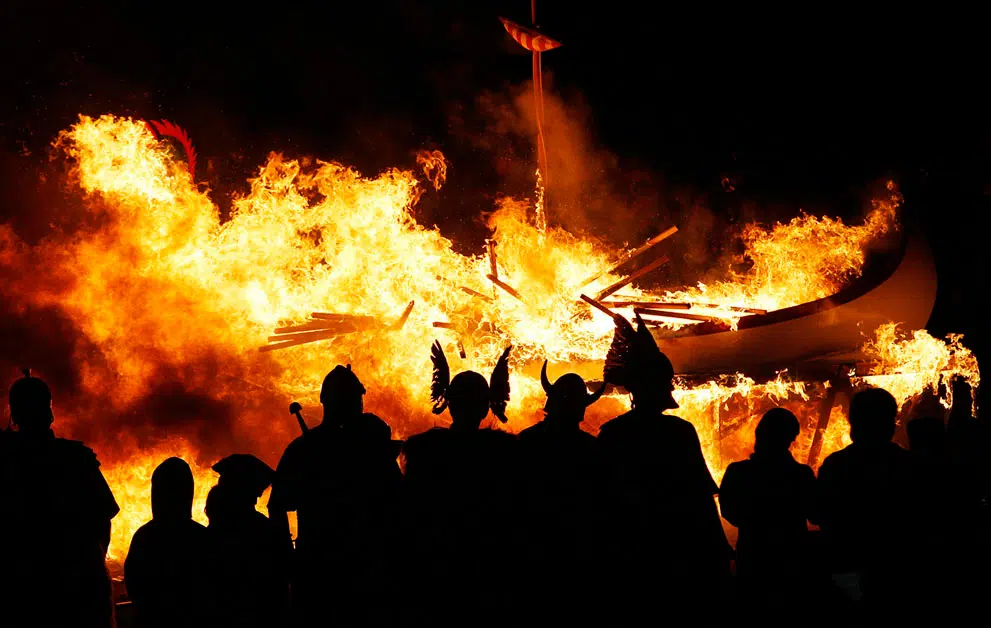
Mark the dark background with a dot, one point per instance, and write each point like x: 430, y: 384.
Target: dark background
x: 805, y: 107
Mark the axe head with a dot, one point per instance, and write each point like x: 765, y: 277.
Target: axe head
x: 295, y: 408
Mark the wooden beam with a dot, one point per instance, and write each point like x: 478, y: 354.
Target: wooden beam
x: 630, y: 279
x: 322, y: 325
x: 664, y: 235
x: 505, y: 286
x: 656, y: 304
x: 476, y: 294
x: 403, y: 317
x: 682, y: 315
x: 330, y: 316
x: 599, y: 307
x: 731, y: 308
x: 293, y: 340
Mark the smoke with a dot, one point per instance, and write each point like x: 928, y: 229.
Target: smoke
x: 203, y: 397
x: 591, y: 190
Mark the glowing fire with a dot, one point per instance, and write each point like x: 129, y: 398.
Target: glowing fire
x: 807, y: 259
x: 160, y: 288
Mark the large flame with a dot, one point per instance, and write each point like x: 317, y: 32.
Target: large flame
x: 161, y: 289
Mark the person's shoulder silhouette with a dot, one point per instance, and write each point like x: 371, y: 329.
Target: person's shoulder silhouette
x: 167, y: 565
x: 342, y: 478
x: 770, y: 499
x: 252, y: 558
x: 864, y: 500
x: 57, y: 494
x: 564, y: 411
x: 770, y: 496
x: 662, y: 494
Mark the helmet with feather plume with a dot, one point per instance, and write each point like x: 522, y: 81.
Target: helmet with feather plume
x: 635, y: 363
x: 469, y: 386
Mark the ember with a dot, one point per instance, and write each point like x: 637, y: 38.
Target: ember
x: 158, y: 283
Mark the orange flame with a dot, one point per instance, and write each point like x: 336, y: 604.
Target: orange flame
x: 159, y: 287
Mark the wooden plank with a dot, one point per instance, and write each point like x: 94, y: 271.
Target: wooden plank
x: 731, y: 308
x: 322, y: 325
x: 493, y: 264
x: 297, y: 339
x: 505, y: 286
x: 405, y: 315
x: 330, y: 316
x: 599, y: 307
x: 682, y: 315
x: 630, y: 279
x: 664, y: 235
x: 663, y: 305
x: 476, y: 294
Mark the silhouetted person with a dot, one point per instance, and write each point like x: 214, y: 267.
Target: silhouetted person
x: 863, y: 497
x: 945, y: 534
x: 56, y: 509
x: 459, y: 489
x: 770, y: 497
x: 342, y: 479
x: 252, y: 559
x: 966, y: 437
x: 167, y: 567
x: 560, y: 479
x: 664, y: 539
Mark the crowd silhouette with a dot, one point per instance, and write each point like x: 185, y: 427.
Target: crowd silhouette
x: 480, y: 527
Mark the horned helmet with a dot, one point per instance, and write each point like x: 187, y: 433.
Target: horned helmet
x: 568, y: 394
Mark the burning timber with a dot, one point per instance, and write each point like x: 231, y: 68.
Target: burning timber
x: 326, y: 326
x: 899, y: 286
x: 246, y: 276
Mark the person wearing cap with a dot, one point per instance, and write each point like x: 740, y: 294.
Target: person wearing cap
x: 251, y: 557
x: 168, y: 563
x: 770, y: 498
x: 342, y: 479
x: 559, y: 487
x: 56, y: 511
x: 664, y: 535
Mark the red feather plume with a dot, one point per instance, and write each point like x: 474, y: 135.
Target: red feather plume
x: 165, y: 128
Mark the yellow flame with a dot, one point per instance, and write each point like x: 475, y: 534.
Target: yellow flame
x: 806, y: 259
x: 907, y: 364
x: 159, y: 280
x: 434, y: 166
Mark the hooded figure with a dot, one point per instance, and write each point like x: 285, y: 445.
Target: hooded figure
x: 560, y: 487
x: 252, y: 559
x: 665, y: 535
x: 458, y: 500
x: 342, y: 478
x: 55, y: 513
x: 168, y: 564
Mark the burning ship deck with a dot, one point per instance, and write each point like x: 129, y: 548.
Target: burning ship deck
x: 814, y: 338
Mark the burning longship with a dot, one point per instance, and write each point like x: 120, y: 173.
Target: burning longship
x: 167, y: 306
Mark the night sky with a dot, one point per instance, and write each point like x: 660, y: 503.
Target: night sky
x: 806, y: 108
